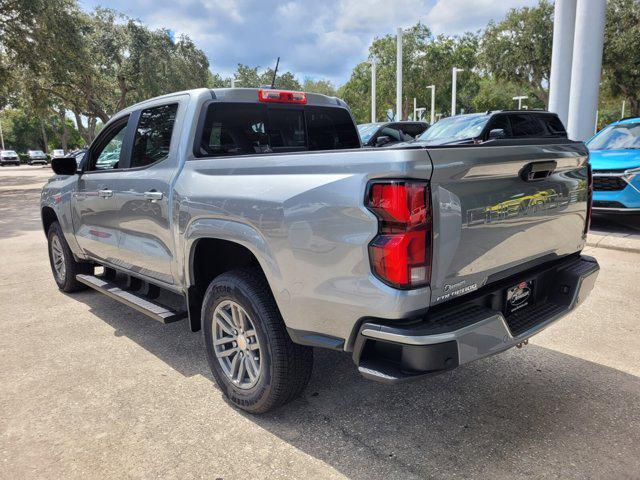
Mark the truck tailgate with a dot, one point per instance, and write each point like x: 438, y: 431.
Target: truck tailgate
x: 501, y: 208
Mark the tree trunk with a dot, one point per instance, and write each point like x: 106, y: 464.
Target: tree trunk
x: 64, y: 138
x: 45, y: 140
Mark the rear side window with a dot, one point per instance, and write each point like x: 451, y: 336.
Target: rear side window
x: 413, y: 129
x: 248, y: 129
x: 499, y: 122
x: 524, y: 125
x: 554, y: 125
x: 330, y: 129
x: 153, y: 135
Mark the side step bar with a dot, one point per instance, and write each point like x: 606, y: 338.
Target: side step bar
x: 152, y: 309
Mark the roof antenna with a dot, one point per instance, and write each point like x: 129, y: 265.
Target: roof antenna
x: 275, y: 72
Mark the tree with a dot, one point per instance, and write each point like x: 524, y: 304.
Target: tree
x: 427, y: 60
x: 518, y: 49
x: 621, y: 62
x: 324, y: 87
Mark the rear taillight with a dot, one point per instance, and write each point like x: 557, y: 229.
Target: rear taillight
x: 400, y: 254
x: 587, y: 223
x: 281, y: 96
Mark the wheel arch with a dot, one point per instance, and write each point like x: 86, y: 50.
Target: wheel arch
x: 210, y: 255
x: 49, y: 216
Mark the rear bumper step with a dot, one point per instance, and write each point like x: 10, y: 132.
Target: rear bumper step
x: 469, y: 331
x: 143, y: 305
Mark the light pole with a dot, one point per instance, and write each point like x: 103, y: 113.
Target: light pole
x: 519, y: 98
x: 415, y: 107
x: 454, y: 87
x: 1, y: 134
x: 621, y: 115
x: 433, y: 102
x: 399, y: 74
x: 373, y: 89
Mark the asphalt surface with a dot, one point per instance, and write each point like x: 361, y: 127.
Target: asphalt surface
x: 92, y: 389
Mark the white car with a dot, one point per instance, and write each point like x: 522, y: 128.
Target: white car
x: 36, y: 156
x: 57, y: 154
x: 8, y: 157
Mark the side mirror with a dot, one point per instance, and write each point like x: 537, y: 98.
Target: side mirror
x: 382, y: 140
x: 496, y: 133
x: 64, y: 165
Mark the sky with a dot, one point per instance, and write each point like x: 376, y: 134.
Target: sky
x: 314, y: 38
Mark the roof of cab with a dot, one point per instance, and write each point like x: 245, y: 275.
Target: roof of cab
x: 251, y: 95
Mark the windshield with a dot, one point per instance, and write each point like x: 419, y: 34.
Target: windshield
x: 11, y: 153
x: 367, y: 130
x: 456, y: 128
x: 37, y: 152
x: 617, y: 137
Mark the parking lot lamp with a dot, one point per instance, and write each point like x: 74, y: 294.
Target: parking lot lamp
x: 373, y: 62
x: 519, y: 98
x: 399, y: 75
x: 433, y: 102
x: 454, y: 87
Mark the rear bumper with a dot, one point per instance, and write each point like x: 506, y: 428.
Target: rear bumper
x: 473, y: 329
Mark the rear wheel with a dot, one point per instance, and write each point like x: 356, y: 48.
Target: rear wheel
x: 63, y: 265
x: 252, y: 358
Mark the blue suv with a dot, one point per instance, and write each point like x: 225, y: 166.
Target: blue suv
x: 615, y: 160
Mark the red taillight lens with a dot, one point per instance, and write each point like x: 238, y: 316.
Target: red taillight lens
x: 401, y: 252
x: 589, y: 199
x: 281, y: 96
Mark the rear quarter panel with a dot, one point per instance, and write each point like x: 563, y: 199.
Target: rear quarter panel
x: 303, y: 217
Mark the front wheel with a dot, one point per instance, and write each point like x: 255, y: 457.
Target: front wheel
x: 63, y: 265
x: 252, y: 358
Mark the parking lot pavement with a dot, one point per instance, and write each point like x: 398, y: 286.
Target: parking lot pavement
x: 92, y: 389
x: 617, y: 232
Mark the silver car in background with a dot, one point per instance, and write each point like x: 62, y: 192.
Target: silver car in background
x: 9, y: 157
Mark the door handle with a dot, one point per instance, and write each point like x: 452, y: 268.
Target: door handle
x: 105, y: 193
x: 538, y: 171
x: 153, y: 195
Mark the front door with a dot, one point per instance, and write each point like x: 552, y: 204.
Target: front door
x: 94, y: 210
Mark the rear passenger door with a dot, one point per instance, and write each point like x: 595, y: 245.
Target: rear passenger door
x: 143, y: 193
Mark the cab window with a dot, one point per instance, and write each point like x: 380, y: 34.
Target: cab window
x: 153, y: 135
x: 524, y: 125
x: 106, y: 155
x: 249, y: 129
x: 499, y: 122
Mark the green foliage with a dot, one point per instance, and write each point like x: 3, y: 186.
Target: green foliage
x: 621, y: 60
x: 57, y: 60
x: 23, y: 131
x: 427, y: 60
x: 324, y: 87
x: 518, y: 49
x: 63, y: 59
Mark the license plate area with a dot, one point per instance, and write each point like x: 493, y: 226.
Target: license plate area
x: 519, y: 296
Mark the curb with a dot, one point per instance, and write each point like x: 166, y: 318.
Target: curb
x: 623, y: 243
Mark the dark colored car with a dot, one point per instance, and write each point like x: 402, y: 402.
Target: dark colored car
x: 389, y: 133
x: 499, y: 125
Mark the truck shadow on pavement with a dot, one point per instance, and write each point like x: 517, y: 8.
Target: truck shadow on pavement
x: 526, y: 413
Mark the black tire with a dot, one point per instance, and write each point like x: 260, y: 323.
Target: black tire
x: 285, y: 367
x: 66, y: 281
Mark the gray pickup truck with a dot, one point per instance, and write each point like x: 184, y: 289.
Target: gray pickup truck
x: 257, y: 215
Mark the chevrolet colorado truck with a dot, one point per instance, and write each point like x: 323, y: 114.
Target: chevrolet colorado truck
x: 257, y: 215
